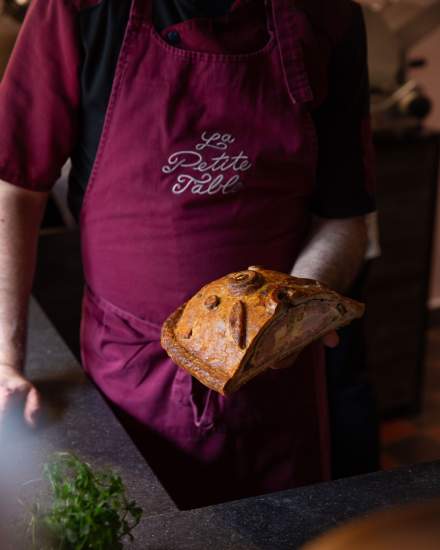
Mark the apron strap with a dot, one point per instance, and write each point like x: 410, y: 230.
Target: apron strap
x: 287, y: 22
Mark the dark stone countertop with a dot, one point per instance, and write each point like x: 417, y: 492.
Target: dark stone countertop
x: 286, y: 520
x: 76, y: 419
x: 79, y: 420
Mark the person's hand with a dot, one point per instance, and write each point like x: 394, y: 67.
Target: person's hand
x: 330, y: 340
x: 18, y: 393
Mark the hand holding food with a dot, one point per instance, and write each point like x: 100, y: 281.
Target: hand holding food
x: 247, y: 322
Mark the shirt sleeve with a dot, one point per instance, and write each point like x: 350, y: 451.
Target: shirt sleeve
x: 39, y: 96
x: 345, y: 172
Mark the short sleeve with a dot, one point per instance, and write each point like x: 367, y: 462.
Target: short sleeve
x: 345, y: 172
x: 39, y: 96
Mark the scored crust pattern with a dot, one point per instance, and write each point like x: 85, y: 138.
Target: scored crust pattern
x: 237, y: 323
x: 215, y: 333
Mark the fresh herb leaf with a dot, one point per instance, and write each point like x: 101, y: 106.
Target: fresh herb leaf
x: 90, y: 509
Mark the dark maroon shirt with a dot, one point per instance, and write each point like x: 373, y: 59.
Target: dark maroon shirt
x: 55, y: 94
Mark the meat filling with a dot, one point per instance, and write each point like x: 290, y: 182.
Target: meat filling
x: 288, y: 333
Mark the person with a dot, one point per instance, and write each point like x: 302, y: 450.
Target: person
x: 205, y: 137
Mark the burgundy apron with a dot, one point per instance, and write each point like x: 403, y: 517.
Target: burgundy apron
x: 205, y: 166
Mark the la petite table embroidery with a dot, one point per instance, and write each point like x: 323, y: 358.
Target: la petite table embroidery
x: 207, y: 169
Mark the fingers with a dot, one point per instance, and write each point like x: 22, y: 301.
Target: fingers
x: 32, y: 407
x: 12, y: 392
x: 4, y: 400
x: 17, y: 393
x: 331, y: 340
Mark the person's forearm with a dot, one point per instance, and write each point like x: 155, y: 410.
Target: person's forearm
x: 334, y: 252
x: 20, y: 217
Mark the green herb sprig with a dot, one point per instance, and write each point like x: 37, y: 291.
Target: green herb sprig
x: 90, y: 509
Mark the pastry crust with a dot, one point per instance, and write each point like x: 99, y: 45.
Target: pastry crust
x: 242, y: 324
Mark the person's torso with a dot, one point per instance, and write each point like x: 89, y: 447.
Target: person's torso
x: 102, y: 25
x: 205, y: 166
x: 207, y: 160
x: 102, y: 28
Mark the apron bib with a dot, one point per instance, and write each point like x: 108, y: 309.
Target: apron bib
x: 206, y: 165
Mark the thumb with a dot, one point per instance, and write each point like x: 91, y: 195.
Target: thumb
x: 32, y: 407
x: 331, y: 340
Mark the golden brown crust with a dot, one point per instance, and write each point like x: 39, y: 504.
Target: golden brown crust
x: 213, y: 335
x: 186, y: 360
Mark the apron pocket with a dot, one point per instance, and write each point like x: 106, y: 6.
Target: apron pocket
x: 119, y: 350
x: 134, y: 324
